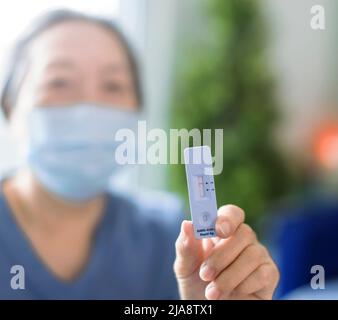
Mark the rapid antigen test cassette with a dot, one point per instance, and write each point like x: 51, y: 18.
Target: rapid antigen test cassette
x: 201, y: 188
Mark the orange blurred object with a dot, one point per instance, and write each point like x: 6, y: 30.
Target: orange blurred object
x: 326, y: 146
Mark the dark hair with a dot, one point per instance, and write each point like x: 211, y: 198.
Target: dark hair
x: 13, y: 74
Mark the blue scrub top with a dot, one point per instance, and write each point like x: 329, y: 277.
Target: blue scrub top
x: 132, y: 257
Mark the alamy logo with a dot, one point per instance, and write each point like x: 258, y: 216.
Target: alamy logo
x: 18, y: 280
x: 157, y: 146
x: 317, y: 21
x: 318, y: 280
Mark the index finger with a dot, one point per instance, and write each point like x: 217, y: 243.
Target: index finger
x: 229, y: 218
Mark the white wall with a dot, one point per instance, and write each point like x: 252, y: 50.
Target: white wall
x: 158, y: 65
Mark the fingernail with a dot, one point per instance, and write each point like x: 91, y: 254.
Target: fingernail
x: 225, y: 228
x: 212, y: 293
x: 206, y: 272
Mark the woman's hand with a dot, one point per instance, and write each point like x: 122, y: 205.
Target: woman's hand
x: 233, y: 265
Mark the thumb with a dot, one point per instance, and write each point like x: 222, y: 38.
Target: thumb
x: 189, y: 251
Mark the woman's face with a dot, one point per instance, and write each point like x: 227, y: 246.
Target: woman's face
x: 75, y: 62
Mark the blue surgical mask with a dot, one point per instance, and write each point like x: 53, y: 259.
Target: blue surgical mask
x: 71, y: 149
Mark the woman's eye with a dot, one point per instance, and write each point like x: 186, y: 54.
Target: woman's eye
x: 59, y: 84
x: 112, y: 87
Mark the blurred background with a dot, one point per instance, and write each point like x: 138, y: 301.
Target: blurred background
x: 259, y: 71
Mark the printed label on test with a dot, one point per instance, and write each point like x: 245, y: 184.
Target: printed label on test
x: 201, y: 188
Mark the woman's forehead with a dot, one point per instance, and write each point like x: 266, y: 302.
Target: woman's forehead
x: 76, y: 41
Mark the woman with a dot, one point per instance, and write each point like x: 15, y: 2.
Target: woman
x: 73, y: 80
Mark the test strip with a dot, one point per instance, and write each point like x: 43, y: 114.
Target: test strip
x: 201, y: 188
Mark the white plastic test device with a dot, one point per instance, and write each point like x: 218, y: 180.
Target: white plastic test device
x: 201, y: 188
